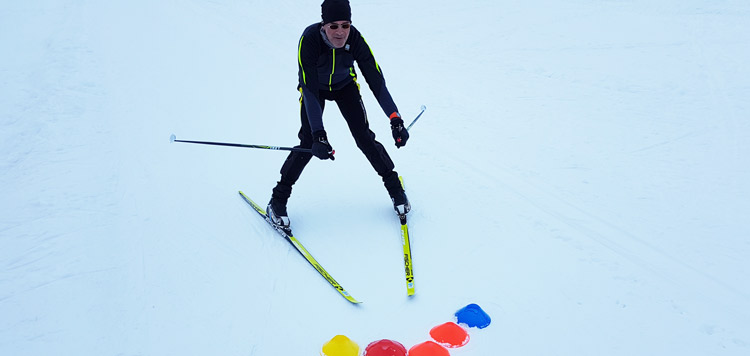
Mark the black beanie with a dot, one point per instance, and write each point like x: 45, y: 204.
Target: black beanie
x: 336, y: 10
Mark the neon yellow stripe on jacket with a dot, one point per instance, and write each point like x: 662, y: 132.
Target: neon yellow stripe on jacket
x: 373, y: 56
x: 333, y: 69
x: 299, y: 58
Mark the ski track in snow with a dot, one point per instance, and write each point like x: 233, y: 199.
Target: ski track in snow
x: 580, y: 172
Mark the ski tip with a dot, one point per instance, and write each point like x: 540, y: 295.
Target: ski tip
x: 347, y: 296
x: 423, y: 108
x: 172, y: 138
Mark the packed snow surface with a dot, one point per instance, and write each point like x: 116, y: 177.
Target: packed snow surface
x: 581, y: 173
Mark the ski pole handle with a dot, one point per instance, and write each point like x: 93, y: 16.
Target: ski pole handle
x: 173, y: 138
x: 417, y: 118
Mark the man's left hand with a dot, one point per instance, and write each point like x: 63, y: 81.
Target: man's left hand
x: 400, y: 134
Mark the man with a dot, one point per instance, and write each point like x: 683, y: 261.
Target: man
x: 326, y: 55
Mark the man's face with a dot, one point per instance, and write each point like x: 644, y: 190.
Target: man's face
x: 337, y: 32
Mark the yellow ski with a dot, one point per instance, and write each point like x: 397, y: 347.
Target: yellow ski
x: 407, y: 257
x: 408, y: 270
x: 301, y: 249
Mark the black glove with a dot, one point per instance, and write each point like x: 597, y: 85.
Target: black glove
x: 400, y: 135
x: 320, y: 147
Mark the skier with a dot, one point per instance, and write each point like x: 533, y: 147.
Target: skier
x: 326, y: 55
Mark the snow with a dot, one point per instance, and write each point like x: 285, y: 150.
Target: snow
x: 580, y: 173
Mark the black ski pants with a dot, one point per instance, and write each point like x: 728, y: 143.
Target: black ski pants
x: 352, y: 109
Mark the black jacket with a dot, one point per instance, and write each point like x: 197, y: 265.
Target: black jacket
x: 322, y: 67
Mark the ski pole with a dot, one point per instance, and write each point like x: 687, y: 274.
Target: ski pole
x: 417, y: 118
x: 173, y: 138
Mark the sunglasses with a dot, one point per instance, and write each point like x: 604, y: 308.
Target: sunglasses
x: 335, y: 26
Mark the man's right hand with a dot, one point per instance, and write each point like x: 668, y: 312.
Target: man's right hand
x: 320, y: 147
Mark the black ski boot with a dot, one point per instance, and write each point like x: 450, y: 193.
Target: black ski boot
x: 398, y: 196
x: 276, y: 209
x: 400, y: 203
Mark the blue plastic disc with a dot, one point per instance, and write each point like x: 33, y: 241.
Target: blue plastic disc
x: 473, y: 316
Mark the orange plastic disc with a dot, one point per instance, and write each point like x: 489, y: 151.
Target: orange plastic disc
x: 450, y: 335
x: 428, y: 348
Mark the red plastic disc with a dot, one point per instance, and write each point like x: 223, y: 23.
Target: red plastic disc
x: 385, y: 348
